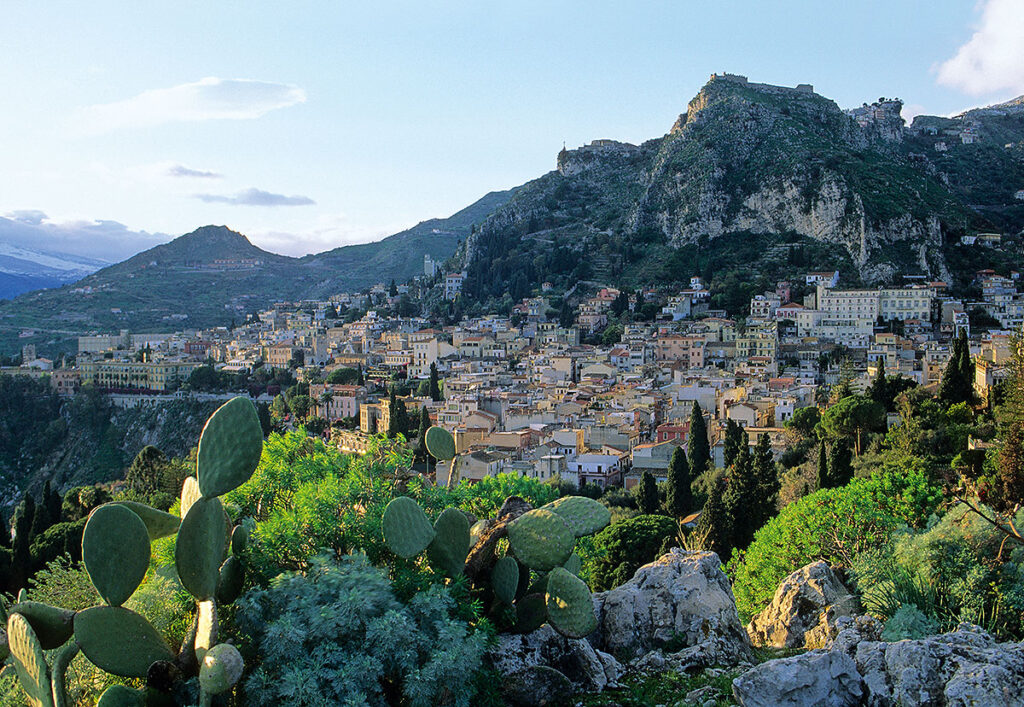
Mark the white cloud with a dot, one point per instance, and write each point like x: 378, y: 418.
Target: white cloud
x: 993, y: 58
x: 328, y: 231
x: 256, y: 197
x: 208, y: 99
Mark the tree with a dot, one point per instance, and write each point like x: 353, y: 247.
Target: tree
x: 398, y: 416
x: 680, y: 495
x: 735, y: 440
x: 343, y: 376
x: 301, y: 405
x: 278, y: 408
x: 298, y: 359
x: 435, y: 384
x: 742, y: 501
x: 647, y: 494
x: 879, y: 391
x: 767, y: 479
x: 965, y: 367
x: 851, y: 417
x: 145, y: 475
x: 715, y: 522
x: 361, y: 380
x: 622, y: 548
x: 957, y: 384
x: 421, y: 434
x: 824, y: 480
x: 392, y: 289
x: 697, y: 442
x: 804, y: 420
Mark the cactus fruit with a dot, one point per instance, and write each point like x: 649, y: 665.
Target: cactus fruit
x: 239, y: 539
x: 440, y: 443
x: 541, y: 540
x: 229, y: 447
x: 450, y: 545
x: 121, y: 696
x: 52, y: 626
x: 29, y: 661
x: 531, y: 613
x: 119, y: 641
x: 115, y: 550
x: 232, y: 580
x: 574, y: 564
x: 505, y: 579
x: 206, y: 627
x: 158, y: 524
x: 189, y: 494
x: 569, y: 604
x: 407, y: 530
x: 199, y: 547
x: 220, y: 669
x: 583, y: 515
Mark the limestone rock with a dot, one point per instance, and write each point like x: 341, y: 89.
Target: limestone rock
x: 680, y: 600
x: 586, y: 669
x: 535, y: 686
x: 804, y: 610
x: 815, y: 679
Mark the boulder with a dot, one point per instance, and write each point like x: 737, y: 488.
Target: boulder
x: 960, y: 668
x: 518, y: 656
x: 804, y: 610
x: 818, y: 678
x: 681, y: 603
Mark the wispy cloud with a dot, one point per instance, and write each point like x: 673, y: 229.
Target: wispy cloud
x: 180, y: 170
x: 208, y: 99
x: 255, y: 197
x: 993, y: 58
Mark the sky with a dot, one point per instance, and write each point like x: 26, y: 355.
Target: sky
x: 309, y: 125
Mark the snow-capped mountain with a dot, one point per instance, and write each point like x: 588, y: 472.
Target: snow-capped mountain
x: 23, y: 269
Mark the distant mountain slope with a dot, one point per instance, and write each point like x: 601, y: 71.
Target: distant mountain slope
x: 213, y: 275
x: 750, y: 179
x: 24, y: 269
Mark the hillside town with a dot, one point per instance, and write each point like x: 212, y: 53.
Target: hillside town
x: 596, y: 397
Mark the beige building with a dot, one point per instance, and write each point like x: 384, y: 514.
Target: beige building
x: 136, y: 375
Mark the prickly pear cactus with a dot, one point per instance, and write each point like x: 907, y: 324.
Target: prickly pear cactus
x: 29, y: 661
x: 440, y: 443
x: 121, y: 696
x: 220, y: 669
x: 229, y: 447
x: 158, y: 523
x: 52, y: 626
x: 115, y: 550
x: 199, y: 547
x: 407, y: 530
x: 541, y: 540
x: 570, y: 605
x: 505, y: 579
x: 583, y: 515
x: 450, y: 545
x: 531, y: 613
x: 120, y: 641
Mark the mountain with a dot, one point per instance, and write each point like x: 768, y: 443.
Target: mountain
x: 755, y: 182
x: 213, y: 275
x: 24, y: 269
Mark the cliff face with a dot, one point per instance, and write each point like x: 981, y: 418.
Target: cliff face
x: 758, y: 159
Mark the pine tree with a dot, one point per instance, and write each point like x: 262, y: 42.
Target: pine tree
x: 767, y: 479
x: 742, y: 501
x: 840, y: 465
x: 435, y: 384
x: 697, y: 442
x: 715, y: 522
x: 824, y: 482
x: 647, y: 494
x: 680, y: 496
x: 735, y: 439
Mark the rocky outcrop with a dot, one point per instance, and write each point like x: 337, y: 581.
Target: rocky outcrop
x: 682, y: 604
x: 957, y: 669
x: 804, y: 610
x: 519, y: 656
x: 815, y: 679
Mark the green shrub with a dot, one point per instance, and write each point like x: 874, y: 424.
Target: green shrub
x: 834, y: 525
x: 621, y: 549
x: 338, y: 635
x: 908, y: 622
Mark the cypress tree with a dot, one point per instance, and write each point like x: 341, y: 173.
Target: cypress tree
x: 361, y: 380
x: 647, y: 494
x: 680, y: 496
x: 5, y: 531
x: 735, y: 439
x: 767, y: 479
x: 392, y: 414
x: 435, y: 384
x: 21, y: 559
x: 697, y: 442
x: 715, y: 522
x: 879, y: 391
x: 421, y: 446
x: 823, y: 477
x: 742, y: 501
x: 957, y: 384
x: 840, y: 465
x: 965, y: 368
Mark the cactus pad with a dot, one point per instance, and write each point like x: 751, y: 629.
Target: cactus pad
x: 115, y: 550
x: 220, y: 669
x: 119, y: 641
x: 505, y: 579
x: 531, y: 613
x: 239, y: 539
x: 158, y: 524
x: 232, y: 579
x: 541, y: 540
x: 440, y: 443
x: 189, y: 494
x: 229, y: 447
x: 450, y: 545
x: 53, y: 627
x: 29, y: 661
x: 199, y: 547
x: 583, y: 515
x: 407, y: 530
x: 574, y: 564
x: 121, y: 696
x: 570, y: 605
x: 58, y: 674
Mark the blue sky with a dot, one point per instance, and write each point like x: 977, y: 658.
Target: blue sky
x: 308, y: 125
